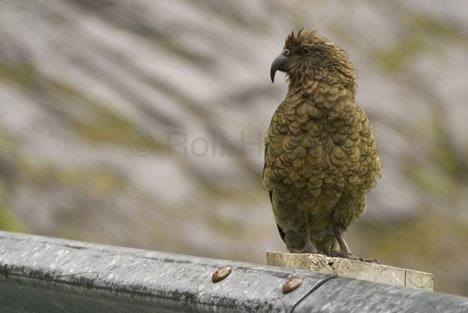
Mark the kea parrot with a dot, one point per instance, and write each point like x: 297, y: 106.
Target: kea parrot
x: 320, y: 152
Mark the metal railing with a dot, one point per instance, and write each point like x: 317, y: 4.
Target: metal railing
x: 40, y: 274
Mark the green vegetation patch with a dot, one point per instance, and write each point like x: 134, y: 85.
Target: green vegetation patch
x: 8, y: 219
x: 98, y: 182
x: 422, y: 33
x: 92, y: 120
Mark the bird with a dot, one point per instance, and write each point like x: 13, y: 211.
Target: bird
x: 320, y: 153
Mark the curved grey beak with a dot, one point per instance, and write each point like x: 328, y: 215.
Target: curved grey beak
x: 278, y: 65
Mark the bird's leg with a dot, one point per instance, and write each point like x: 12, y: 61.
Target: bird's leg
x: 308, y: 245
x: 344, y: 252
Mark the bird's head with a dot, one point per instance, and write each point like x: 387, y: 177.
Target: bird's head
x: 308, y: 56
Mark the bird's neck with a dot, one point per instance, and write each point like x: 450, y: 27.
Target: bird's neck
x: 317, y: 88
x: 322, y: 95
x: 321, y: 81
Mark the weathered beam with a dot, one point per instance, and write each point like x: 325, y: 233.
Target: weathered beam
x: 379, y: 273
x: 39, y: 274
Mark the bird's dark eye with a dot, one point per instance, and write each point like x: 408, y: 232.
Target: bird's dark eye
x: 306, y: 50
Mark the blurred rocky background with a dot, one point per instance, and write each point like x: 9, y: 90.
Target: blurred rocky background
x: 141, y: 123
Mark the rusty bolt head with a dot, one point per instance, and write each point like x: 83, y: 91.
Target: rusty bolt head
x: 292, y: 284
x: 221, y: 274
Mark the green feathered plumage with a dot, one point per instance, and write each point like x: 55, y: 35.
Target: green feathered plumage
x: 320, y: 153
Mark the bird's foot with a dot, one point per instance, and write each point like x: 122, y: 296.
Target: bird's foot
x: 308, y: 246
x: 369, y: 260
x: 350, y: 256
x: 306, y: 249
x: 342, y: 254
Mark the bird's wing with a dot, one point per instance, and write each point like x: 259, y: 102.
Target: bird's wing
x: 270, y: 192
x: 265, y: 162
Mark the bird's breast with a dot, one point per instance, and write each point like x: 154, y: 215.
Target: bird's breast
x: 307, y: 148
